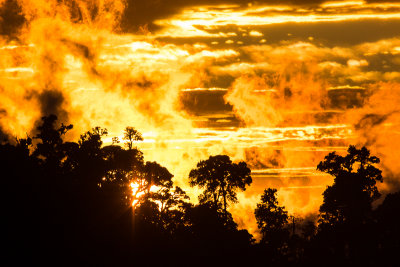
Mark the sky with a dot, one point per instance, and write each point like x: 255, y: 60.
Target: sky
x: 278, y: 85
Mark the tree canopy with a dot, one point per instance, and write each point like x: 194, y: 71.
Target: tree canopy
x: 130, y: 136
x: 354, y: 189
x: 102, y: 204
x: 271, y: 218
x: 220, y: 178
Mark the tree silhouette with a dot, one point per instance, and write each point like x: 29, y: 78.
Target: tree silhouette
x: 347, y: 230
x: 170, y: 209
x: 121, y: 167
x: 308, y: 229
x: 150, y: 175
x: 388, y: 220
x: 131, y: 135
x: 20, y: 173
x: 156, y: 175
x: 220, y: 179
x: 271, y: 218
x: 169, y: 199
x: 86, y: 158
x: 73, y: 200
x: 50, y: 147
x: 77, y: 199
x: 272, y: 221
x: 349, y: 199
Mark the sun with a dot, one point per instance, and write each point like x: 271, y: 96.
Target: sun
x: 139, y: 191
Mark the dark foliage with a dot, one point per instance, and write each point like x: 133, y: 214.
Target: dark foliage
x: 220, y: 178
x: 349, y: 199
x: 348, y: 230
x: 83, y: 203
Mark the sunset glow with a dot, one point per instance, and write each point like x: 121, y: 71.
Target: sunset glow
x: 138, y: 192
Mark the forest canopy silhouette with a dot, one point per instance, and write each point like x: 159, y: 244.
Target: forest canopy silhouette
x: 90, y: 203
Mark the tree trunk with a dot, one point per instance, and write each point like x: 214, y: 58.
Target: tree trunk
x: 224, y: 195
x: 215, y: 200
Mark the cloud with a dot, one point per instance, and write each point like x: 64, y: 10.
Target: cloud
x: 377, y: 126
x: 3, y: 134
x: 243, y: 21
x: 11, y: 18
x: 139, y: 13
x: 52, y: 102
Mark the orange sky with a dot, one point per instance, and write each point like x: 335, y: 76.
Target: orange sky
x: 278, y: 86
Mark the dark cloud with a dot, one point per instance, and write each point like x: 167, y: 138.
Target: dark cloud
x: 267, y: 158
x: 3, y: 135
x: 139, y: 13
x: 204, y: 102
x: 210, y: 108
x: 343, y: 33
x: 347, y: 98
x: 382, y: 1
x: 382, y: 61
x: 79, y: 49
x: 372, y: 120
x: 334, y: 33
x: 84, y: 52
x: 11, y: 19
x: 51, y: 102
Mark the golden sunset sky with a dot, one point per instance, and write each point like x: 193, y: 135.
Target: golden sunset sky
x: 278, y: 84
